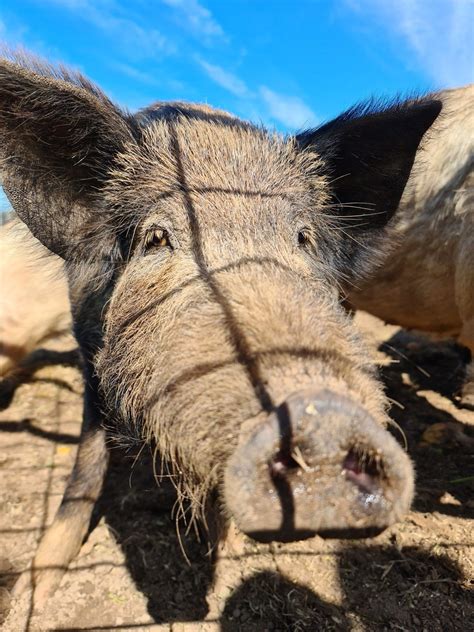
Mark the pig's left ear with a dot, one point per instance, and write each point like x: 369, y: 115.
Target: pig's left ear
x: 369, y: 152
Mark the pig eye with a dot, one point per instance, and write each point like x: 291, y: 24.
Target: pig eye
x: 156, y: 238
x: 304, y: 237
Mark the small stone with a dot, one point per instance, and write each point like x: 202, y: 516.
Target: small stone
x: 448, y: 499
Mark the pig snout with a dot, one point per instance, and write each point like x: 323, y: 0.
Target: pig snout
x: 319, y: 464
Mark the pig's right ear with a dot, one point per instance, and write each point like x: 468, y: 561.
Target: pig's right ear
x: 59, y: 136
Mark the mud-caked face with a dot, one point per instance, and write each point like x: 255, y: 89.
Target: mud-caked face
x: 227, y: 304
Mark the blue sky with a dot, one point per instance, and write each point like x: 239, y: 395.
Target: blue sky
x: 285, y: 63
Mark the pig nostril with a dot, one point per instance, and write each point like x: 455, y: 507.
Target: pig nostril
x: 363, y: 468
x: 282, y: 463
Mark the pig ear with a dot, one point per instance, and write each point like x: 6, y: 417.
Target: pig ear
x: 369, y: 152
x: 59, y: 136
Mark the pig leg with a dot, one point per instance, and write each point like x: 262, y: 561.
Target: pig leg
x: 63, y: 539
x: 467, y: 397
x: 467, y: 339
x: 465, y: 300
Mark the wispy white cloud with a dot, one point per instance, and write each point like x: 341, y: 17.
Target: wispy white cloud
x: 439, y: 33
x: 197, y: 18
x: 14, y: 33
x: 135, y: 40
x: 264, y: 104
x: 135, y: 74
x: 224, y: 78
x: 290, y: 110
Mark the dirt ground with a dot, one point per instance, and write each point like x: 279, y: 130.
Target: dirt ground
x: 132, y: 575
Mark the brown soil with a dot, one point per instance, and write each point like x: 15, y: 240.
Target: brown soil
x: 132, y: 575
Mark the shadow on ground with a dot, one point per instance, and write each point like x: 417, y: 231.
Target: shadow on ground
x: 140, y: 515
x: 268, y: 601
x: 383, y: 589
x: 423, y: 374
x: 387, y: 587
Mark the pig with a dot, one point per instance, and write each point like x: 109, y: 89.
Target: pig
x: 34, y: 303
x: 426, y: 281
x: 204, y: 257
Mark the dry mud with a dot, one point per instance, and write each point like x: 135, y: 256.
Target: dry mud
x: 131, y: 573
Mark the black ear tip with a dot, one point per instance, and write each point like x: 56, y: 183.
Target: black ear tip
x: 373, y: 145
x: 427, y: 112
x: 437, y: 104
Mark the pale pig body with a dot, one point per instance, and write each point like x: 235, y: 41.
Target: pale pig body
x: 34, y: 303
x: 427, y: 280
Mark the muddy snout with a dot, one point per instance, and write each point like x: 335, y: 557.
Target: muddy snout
x: 319, y: 464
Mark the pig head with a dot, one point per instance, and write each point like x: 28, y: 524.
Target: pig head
x: 204, y: 257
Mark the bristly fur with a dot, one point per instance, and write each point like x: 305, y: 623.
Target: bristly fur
x: 195, y: 343
x: 372, y: 106
x: 172, y: 111
x: 43, y: 68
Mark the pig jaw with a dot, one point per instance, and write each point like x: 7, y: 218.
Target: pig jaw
x: 319, y: 464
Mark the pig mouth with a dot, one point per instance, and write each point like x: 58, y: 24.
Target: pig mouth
x: 333, y: 471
